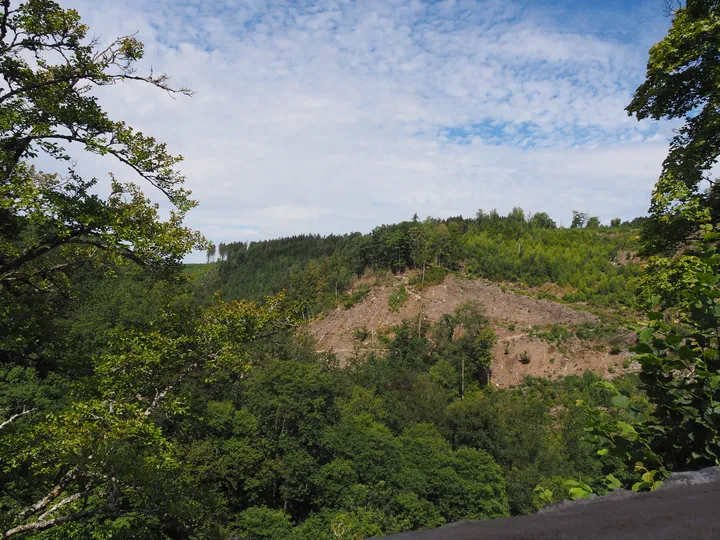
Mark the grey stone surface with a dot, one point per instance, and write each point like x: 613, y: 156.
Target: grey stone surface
x: 686, y: 507
x: 693, y: 478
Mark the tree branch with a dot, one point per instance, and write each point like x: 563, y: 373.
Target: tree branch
x: 65, y: 501
x: 48, y: 523
x: 152, y: 179
x: 50, y: 497
x: 15, y: 417
x: 3, y: 25
x: 159, y: 396
x: 37, y: 251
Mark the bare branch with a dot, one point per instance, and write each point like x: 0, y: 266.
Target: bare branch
x: 65, y: 501
x: 15, y: 417
x: 46, y: 524
x: 671, y: 6
x: 50, y: 497
x: 159, y: 396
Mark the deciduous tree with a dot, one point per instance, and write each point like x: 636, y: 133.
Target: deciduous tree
x: 683, y: 83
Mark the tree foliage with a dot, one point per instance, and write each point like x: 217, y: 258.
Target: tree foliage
x: 682, y: 83
x: 317, y: 270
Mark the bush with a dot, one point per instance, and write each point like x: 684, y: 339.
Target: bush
x: 524, y: 357
x: 433, y: 276
x: 358, y: 295
x: 361, y: 334
x: 397, y: 299
x: 557, y: 334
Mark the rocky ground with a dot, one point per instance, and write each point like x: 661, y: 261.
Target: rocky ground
x: 513, y: 315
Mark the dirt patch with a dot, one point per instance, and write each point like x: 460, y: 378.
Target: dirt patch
x: 505, y: 309
x: 627, y: 257
x: 544, y: 359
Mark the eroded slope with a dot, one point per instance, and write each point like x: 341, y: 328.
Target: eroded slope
x: 518, y: 319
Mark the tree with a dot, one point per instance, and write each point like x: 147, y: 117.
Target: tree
x: 679, y: 349
x: 98, y: 453
x: 420, y: 247
x: 53, y: 222
x: 682, y: 82
x: 210, y: 252
x: 680, y: 367
x: 543, y: 221
x: 593, y: 223
x: 579, y: 220
x: 615, y: 222
x: 257, y: 523
x: 105, y: 456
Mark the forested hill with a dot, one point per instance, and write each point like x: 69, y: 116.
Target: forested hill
x: 587, y: 260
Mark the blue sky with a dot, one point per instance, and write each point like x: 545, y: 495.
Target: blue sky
x: 333, y: 116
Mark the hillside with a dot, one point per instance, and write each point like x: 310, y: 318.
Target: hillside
x: 587, y: 264
x: 558, y: 339
x: 558, y: 299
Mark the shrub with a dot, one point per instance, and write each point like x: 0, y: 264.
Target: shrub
x: 397, y: 299
x: 361, y: 334
x: 433, y: 276
x: 358, y: 295
x: 556, y: 334
x: 524, y: 357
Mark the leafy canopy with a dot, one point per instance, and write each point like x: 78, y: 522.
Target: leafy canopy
x: 683, y: 82
x: 50, y: 222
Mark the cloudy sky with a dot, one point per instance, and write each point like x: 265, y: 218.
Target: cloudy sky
x: 334, y: 116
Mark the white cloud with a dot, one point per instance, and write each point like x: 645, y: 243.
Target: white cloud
x: 333, y: 116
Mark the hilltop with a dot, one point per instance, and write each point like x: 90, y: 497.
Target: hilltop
x: 560, y: 300
x: 587, y: 262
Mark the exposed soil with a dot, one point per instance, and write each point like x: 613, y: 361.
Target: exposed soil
x: 504, y: 308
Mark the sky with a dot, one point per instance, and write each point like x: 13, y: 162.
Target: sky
x: 337, y: 116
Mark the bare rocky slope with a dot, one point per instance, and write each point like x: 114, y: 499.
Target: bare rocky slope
x: 514, y: 317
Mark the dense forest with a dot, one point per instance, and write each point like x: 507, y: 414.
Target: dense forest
x: 136, y: 403
x: 529, y: 250
x: 296, y: 447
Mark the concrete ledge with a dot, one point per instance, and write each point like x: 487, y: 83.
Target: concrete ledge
x: 687, y: 506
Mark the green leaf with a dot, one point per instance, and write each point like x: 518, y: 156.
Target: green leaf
x: 612, y: 482
x: 626, y: 430
x: 620, y: 401
x: 578, y: 493
x: 641, y: 348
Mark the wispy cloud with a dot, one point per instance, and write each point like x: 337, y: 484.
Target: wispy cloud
x: 333, y: 116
